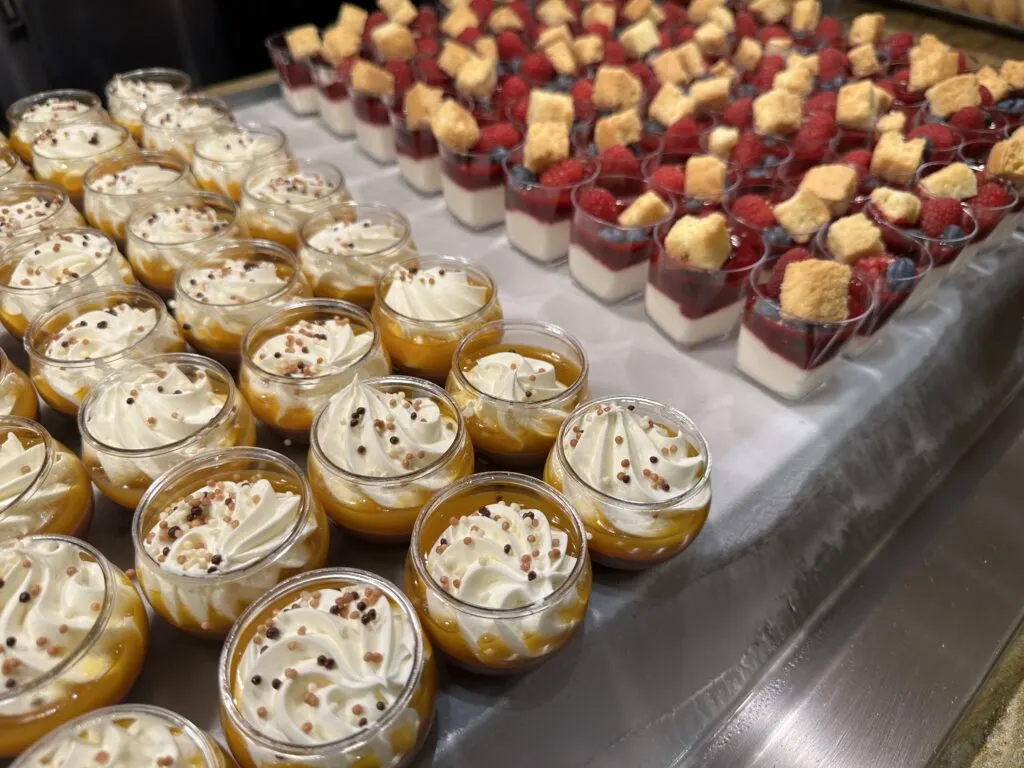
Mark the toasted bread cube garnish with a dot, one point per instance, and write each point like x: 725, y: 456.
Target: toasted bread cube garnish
x: 454, y: 126
x: 802, y: 215
x: 616, y: 87
x: 723, y: 17
x: 702, y: 242
x: 618, y: 130
x: 546, y: 144
x: 353, y: 18
x: 561, y: 57
x: 420, y: 103
x: 699, y: 10
x: 640, y: 38
x: 712, y: 92
x: 599, y: 13
x: 778, y: 46
x: 928, y: 67
x: 854, y: 237
x: 399, y: 11
x: 340, y: 43
x: 303, y: 41
x: 452, y: 57
x: 711, y: 38
x: 777, y: 112
x: 1006, y: 159
x: 956, y: 180
x: 859, y: 104
x: 722, y: 140
x: 895, y: 205
x: 748, y: 54
x: 669, y: 69
x: 992, y: 80
x: 477, y: 78
x: 393, y: 42
x: 692, y: 58
x: 458, y: 20
x: 503, y: 18
x: 670, y: 105
x: 1012, y: 72
x: 547, y: 107
x: 798, y: 80
x: 588, y: 49
x: 806, y: 15
x: 867, y: 28
x: 371, y: 80
x: 893, y: 121
x: 551, y: 35
x: 863, y: 61
x: 705, y: 178
x: 816, y: 290
x: 835, y: 185
x: 486, y: 47
x: 808, y: 62
x: 722, y: 68
x: 634, y: 10
x: 645, y: 211
x: 769, y: 11
x: 896, y: 159
x: 955, y: 93
x: 551, y: 13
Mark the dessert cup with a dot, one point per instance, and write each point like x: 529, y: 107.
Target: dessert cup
x: 294, y: 76
x: 221, y: 529
x: 606, y: 260
x: 77, y: 343
x: 382, y: 684
x: 520, y: 550
x: 222, y: 159
x: 473, y: 184
x: 49, y: 267
x: 115, y: 187
x: 332, y: 97
x: 419, y: 160
x: 12, y: 170
x: 127, y: 735
x: 346, y: 248
x: 148, y: 416
x: 174, y: 125
x: 219, y: 296
x: 775, y: 240
x: 43, y: 486
x: 30, y: 116
x: 295, y: 359
x: 372, y: 124
x: 94, y: 655
x: 130, y: 94
x: 424, y: 307
x: 380, y: 449
x: 29, y: 207
x: 278, y: 199
x: 62, y: 155
x: 618, y: 479
x: 170, y: 232
x: 515, y: 382
x: 17, y: 395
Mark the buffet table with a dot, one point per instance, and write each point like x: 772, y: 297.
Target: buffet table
x: 802, y: 494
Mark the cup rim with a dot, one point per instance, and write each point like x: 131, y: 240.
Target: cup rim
x: 11, y: 423
x: 530, y: 485
x: 662, y: 230
x: 51, y: 192
x: 669, y: 200
x: 514, y: 158
x: 297, y: 164
x: 785, y: 184
x: 249, y: 126
x: 855, y: 320
x: 408, y: 384
x: 149, y: 117
x: 208, y: 461
x: 208, y: 365
x: 220, y: 203
x: 17, y: 109
x: 144, y: 156
x: 923, y: 260
x: 223, y: 252
x: 178, y: 79
x: 426, y: 261
x: 118, y: 129
x: 330, y: 215
x: 959, y: 242
x: 295, y: 584
x: 14, y: 251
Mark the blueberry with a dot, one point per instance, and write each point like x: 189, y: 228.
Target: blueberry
x: 635, y: 236
x: 522, y: 176
x: 834, y: 84
x: 636, y: 149
x: 900, y: 274
x: 766, y: 309
x: 513, y: 65
x: 591, y: 150
x: 746, y: 91
x: 758, y: 173
x: 776, y: 237
x: 693, y: 205
x: 499, y: 153
x: 952, y: 232
x: 612, y: 235
x: 653, y: 126
x: 1006, y: 105
x: 870, y: 184
x: 563, y: 83
x: 770, y: 161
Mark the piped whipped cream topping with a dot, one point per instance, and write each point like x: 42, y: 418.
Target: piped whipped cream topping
x: 236, y: 146
x: 181, y: 223
x: 513, y: 377
x: 310, y: 348
x: 50, y: 597
x: 326, y: 667
x: 234, y: 281
x: 153, y: 408
x: 135, y: 180
x: 435, y: 293
x: 60, y: 258
x: 78, y: 141
x: 101, y: 332
x: 186, y: 116
x: 139, y: 90
x: 19, y: 467
x: 31, y: 212
x: 358, y: 238
x: 223, y: 527
x: 55, y: 110
x: 122, y: 740
x: 299, y: 188
x: 383, y: 434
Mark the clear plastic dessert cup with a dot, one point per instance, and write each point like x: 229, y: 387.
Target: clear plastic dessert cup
x: 17, y: 395
x: 332, y: 97
x: 521, y: 552
x: 115, y: 187
x: 515, y: 382
x: 416, y: 151
x: 222, y: 159
x: 372, y: 125
x: 77, y: 343
x: 174, y: 125
x: 294, y: 76
x: 96, y: 651
x: 170, y: 232
x: 346, y: 248
x: 219, y: 296
x: 422, y: 343
x: 221, y: 529
x: 130, y: 94
x: 12, y: 169
x: 360, y: 641
x: 634, y: 518
x: 30, y: 116
x: 42, y: 270
x: 28, y: 208
x: 43, y: 486
x: 381, y: 502
x: 127, y: 735
x: 62, y: 155
x: 182, y: 405
x: 295, y: 359
x: 278, y: 199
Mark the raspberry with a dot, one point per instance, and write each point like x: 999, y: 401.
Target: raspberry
x: 619, y: 160
x: 859, y: 159
x: 766, y: 71
x: 961, y: 61
x: 664, y: 40
x: 823, y: 101
x: 898, y: 46
x: 739, y: 114
x: 828, y: 30
x: 746, y: 25
x: 900, y: 82
x: 482, y: 8
x: 887, y: 87
x: 831, y: 63
x: 819, y: 125
x: 645, y: 75
x: 754, y: 210
x: 774, y: 287
x: 939, y: 136
x: 582, y: 94
x: 427, y: 47
x: 683, y: 128
x: 809, y: 146
x: 768, y: 33
x: 872, y: 268
x: 685, y: 34
x: 670, y: 177
x: 519, y: 110
x: 992, y: 195
x: 430, y: 73
x: 674, y: 14
x: 425, y: 22
x: 937, y: 214
x: 402, y: 74
x: 598, y: 29
x: 986, y: 96
x: 968, y: 119
x: 614, y: 53
x: 511, y: 46
x: 514, y: 88
x: 563, y: 174
x: 536, y: 67
x: 747, y: 153
x: 497, y: 135
x: 468, y: 36
x: 375, y: 19
x: 599, y: 203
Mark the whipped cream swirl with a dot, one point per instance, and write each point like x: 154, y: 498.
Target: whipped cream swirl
x: 101, y: 332
x: 18, y: 218
x: 514, y: 377
x: 310, y: 348
x: 55, y: 110
x: 139, y: 90
x: 76, y: 141
x: 180, y: 223
x: 60, y: 258
x: 19, y: 468
x: 234, y: 281
x: 435, y: 293
x: 327, y: 667
x: 135, y: 180
x: 298, y: 189
x: 183, y: 116
x: 237, y: 145
x: 374, y: 248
